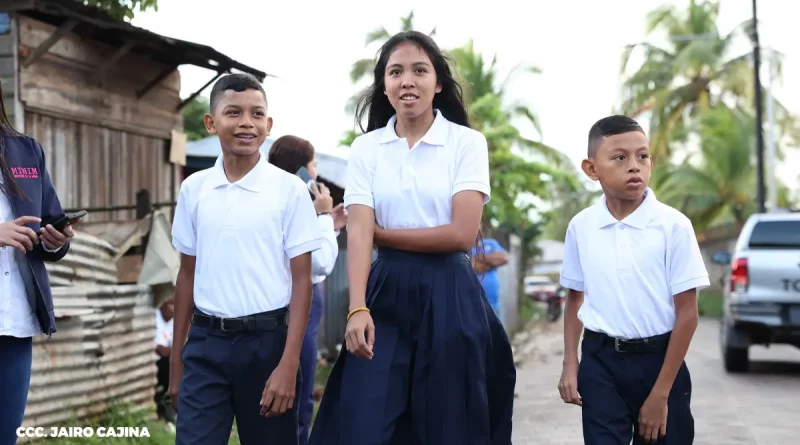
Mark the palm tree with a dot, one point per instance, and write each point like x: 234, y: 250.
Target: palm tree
x: 488, y: 111
x: 716, y: 186
x: 694, y: 74
x: 513, y: 176
x: 364, y: 67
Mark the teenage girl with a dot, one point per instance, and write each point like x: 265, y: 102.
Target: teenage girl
x: 426, y: 359
x: 26, y: 305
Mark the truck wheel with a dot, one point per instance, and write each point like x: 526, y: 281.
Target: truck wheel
x: 734, y: 358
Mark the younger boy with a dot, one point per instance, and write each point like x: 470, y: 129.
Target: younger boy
x: 633, y: 268
x: 245, y: 230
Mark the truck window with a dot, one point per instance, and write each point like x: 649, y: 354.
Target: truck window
x: 776, y: 234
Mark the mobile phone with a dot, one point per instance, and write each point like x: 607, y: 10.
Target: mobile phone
x: 67, y: 219
x: 303, y: 174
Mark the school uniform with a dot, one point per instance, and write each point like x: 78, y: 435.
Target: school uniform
x: 442, y: 371
x: 243, y: 236
x: 322, y: 262
x: 26, y: 303
x: 630, y: 271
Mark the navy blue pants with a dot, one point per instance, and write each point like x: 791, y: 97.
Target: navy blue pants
x: 442, y: 371
x: 308, y: 366
x: 615, y: 385
x: 16, y: 356
x: 224, y: 375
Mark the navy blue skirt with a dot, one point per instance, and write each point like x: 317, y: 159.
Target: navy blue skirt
x: 442, y: 371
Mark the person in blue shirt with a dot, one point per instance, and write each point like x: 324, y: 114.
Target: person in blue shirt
x: 486, y: 266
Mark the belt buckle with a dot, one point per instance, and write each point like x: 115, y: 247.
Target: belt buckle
x: 222, y: 325
x: 616, y: 345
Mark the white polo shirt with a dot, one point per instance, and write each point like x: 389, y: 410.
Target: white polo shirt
x: 243, y: 235
x: 630, y: 270
x: 414, y: 188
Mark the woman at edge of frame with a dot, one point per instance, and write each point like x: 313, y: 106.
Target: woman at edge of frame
x: 29, y: 199
x: 426, y: 360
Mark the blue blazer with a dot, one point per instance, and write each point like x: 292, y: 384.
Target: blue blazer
x: 25, y: 159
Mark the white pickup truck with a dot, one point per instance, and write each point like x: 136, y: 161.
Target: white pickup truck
x: 762, y: 288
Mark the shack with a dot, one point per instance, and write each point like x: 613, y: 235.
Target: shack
x: 103, y: 99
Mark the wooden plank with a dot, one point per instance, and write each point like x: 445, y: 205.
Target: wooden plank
x: 91, y: 54
x: 48, y: 43
x: 100, y: 73
x: 98, y: 167
x: 59, y: 89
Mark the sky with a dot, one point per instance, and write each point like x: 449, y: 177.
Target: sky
x: 310, y: 46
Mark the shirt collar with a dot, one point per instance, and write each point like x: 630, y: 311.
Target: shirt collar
x: 251, y: 181
x: 436, y: 135
x: 638, y: 219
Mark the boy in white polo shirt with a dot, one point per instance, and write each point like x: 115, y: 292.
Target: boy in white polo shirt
x: 245, y: 230
x: 633, y: 268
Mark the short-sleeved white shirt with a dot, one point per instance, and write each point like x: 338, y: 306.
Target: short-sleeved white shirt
x: 413, y: 188
x: 164, y: 330
x: 243, y: 235
x: 630, y: 270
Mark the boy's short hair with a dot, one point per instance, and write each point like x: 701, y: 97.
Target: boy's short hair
x: 236, y: 82
x: 610, y: 126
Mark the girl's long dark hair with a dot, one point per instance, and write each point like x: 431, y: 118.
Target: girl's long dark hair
x: 6, y: 131
x: 450, y: 101
x: 376, y: 106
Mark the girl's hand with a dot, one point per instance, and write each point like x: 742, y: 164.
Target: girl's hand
x: 360, y: 335
x: 15, y: 234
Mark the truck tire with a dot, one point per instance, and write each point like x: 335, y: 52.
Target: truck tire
x: 736, y: 359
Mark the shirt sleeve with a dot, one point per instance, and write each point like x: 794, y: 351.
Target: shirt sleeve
x: 184, y: 232
x: 571, y: 272
x: 161, y: 338
x: 358, y: 187
x: 472, y: 167
x: 323, y: 260
x: 300, y: 227
x: 687, y: 270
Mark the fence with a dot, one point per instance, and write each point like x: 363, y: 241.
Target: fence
x: 104, y: 345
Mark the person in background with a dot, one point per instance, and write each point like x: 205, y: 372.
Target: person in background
x: 486, y: 266
x: 29, y: 201
x: 290, y: 153
x: 163, y: 340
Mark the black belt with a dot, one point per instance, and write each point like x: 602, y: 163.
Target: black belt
x: 649, y: 344
x: 249, y: 323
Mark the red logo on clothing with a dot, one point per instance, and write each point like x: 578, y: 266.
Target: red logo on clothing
x: 25, y: 172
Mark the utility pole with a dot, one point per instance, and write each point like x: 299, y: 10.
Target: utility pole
x: 759, y: 117
x: 772, y: 187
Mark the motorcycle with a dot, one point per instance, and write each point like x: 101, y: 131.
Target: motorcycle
x: 554, y: 300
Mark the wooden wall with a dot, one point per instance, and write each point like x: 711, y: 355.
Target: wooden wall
x: 102, y: 143
x: 62, y: 83
x: 8, y: 79
x: 93, y: 166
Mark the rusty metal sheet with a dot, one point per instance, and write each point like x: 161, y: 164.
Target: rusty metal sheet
x: 104, y: 349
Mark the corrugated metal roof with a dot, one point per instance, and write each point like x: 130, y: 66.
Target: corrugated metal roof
x: 89, y: 260
x: 103, y: 350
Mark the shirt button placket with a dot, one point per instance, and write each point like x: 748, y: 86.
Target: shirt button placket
x: 623, y: 254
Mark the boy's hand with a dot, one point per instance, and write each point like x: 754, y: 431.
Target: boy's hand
x: 653, y: 419
x: 279, y: 392
x: 175, y: 373
x: 568, y: 385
